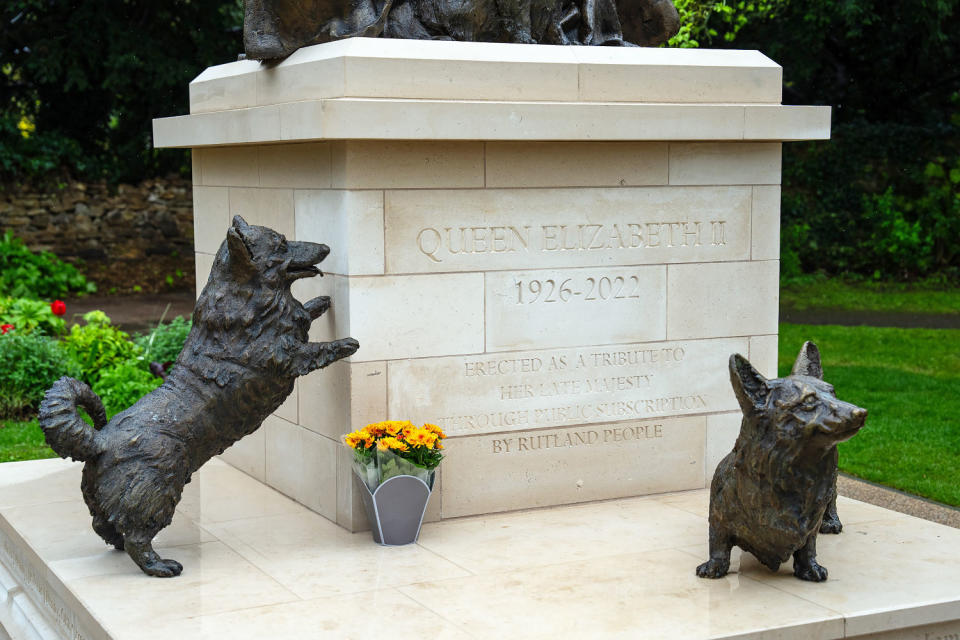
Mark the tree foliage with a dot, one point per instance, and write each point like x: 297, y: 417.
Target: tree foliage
x: 82, y: 79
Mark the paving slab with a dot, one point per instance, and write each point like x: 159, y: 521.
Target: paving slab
x: 258, y: 564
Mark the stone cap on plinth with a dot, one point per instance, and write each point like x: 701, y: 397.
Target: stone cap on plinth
x: 384, y: 89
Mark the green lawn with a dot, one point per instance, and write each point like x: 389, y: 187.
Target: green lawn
x: 909, y: 380
x: 834, y: 293
x: 22, y: 441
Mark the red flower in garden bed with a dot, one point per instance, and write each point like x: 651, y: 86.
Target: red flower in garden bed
x: 58, y: 307
x: 5, y: 329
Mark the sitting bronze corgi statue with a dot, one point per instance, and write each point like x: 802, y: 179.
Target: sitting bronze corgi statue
x: 777, y: 489
x: 247, y: 346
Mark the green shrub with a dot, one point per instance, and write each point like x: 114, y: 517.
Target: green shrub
x: 39, y: 276
x: 98, y: 346
x: 879, y: 201
x: 30, y: 316
x: 164, y: 343
x: 121, y: 385
x: 29, y: 365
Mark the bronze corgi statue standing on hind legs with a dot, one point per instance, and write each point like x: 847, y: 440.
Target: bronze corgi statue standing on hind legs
x: 246, y: 349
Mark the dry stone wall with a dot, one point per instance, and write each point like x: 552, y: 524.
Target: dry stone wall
x: 96, y: 221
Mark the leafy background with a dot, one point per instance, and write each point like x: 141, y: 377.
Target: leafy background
x: 83, y: 79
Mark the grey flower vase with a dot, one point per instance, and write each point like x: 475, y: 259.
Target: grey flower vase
x: 395, y: 508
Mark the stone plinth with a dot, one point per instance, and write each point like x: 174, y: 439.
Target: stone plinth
x: 549, y: 251
x: 257, y: 565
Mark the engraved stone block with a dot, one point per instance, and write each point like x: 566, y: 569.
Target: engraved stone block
x: 522, y: 390
x: 587, y: 462
x: 537, y: 228
x: 567, y: 307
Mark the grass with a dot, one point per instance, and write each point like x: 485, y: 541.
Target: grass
x: 22, y: 441
x: 909, y: 380
x: 836, y: 294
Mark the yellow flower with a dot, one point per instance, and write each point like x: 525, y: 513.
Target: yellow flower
x: 396, y: 427
x: 421, y: 438
x: 390, y: 442
x: 435, y: 429
x: 375, y: 430
x: 359, y: 440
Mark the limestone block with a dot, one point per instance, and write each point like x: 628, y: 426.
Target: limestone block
x: 568, y: 307
x: 460, y: 230
x: 363, y: 119
x: 318, y: 488
x: 722, y: 299
x: 425, y: 69
x: 725, y: 163
x: 249, y: 454
x: 667, y: 75
x: 301, y: 465
x: 763, y: 354
x: 722, y: 432
x: 587, y: 462
x: 585, y: 164
x: 225, y: 86
x: 211, y: 218
x: 766, y: 223
x: 343, y: 397
x: 229, y: 166
x: 267, y: 207
x: 428, y: 315
x: 288, y: 410
x: 525, y: 390
x: 360, y: 164
x: 769, y: 122
x: 203, y: 263
x: 302, y: 166
x: 349, y: 222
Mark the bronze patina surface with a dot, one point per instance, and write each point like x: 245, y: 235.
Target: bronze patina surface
x: 274, y: 29
x: 247, y: 347
x: 777, y: 489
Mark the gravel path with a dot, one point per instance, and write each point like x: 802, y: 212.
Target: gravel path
x: 897, y: 501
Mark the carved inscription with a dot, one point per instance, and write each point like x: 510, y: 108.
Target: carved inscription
x: 441, y: 243
x: 520, y: 391
x: 541, y: 228
x: 521, y: 305
x: 535, y: 442
x: 573, y: 464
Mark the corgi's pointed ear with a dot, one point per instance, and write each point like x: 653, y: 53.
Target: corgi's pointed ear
x: 808, y: 362
x: 239, y: 223
x: 749, y: 385
x: 240, y: 259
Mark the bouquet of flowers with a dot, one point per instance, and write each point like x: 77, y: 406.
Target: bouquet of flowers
x: 383, y: 450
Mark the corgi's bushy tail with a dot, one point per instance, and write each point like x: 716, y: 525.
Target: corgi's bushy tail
x: 65, y: 431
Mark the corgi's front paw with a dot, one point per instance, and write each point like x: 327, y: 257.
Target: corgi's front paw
x: 811, y: 571
x: 713, y: 569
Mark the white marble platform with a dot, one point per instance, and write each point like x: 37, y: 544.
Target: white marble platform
x: 259, y: 565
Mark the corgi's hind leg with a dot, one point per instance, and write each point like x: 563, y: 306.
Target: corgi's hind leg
x: 805, y: 564
x: 831, y: 521
x: 108, y: 532
x: 719, y: 563
x: 141, y: 551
